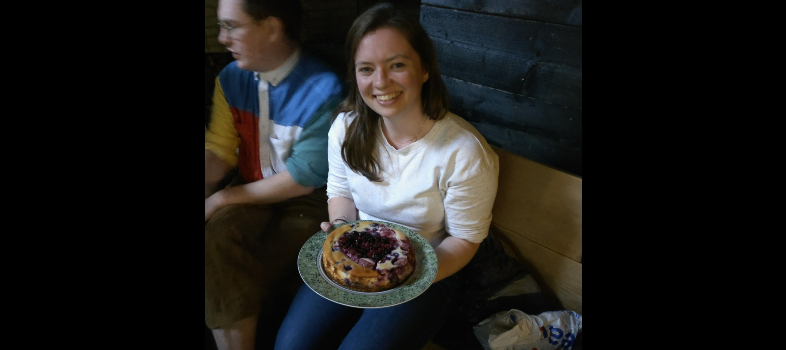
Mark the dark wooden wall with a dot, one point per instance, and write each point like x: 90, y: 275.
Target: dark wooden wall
x: 513, y: 70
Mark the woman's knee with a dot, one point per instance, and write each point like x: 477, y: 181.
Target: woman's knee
x: 326, y: 322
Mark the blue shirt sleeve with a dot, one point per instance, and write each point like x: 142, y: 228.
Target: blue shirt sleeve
x: 308, y: 164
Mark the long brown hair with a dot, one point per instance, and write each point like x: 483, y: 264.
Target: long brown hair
x: 361, y: 137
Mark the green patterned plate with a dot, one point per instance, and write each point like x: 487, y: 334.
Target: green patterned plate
x: 311, y: 271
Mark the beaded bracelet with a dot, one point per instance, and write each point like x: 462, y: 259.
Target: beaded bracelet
x: 339, y: 218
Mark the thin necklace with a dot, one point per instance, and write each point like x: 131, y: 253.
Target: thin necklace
x: 414, y: 138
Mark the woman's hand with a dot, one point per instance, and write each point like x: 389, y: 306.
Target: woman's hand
x: 341, y: 210
x: 329, y: 226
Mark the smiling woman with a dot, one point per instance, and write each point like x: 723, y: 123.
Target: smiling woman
x: 381, y: 73
x: 390, y: 80
x: 398, y: 155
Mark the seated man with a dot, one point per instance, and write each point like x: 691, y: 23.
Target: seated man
x: 271, y: 115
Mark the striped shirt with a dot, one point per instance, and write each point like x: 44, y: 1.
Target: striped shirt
x: 303, y: 93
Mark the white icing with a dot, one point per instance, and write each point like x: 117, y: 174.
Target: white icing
x: 388, y: 264
x: 399, y: 251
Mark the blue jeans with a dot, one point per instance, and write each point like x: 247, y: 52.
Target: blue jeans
x: 314, y: 322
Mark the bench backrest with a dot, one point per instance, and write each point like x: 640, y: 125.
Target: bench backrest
x: 538, y: 214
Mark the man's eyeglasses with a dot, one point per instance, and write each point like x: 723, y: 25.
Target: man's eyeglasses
x: 230, y: 29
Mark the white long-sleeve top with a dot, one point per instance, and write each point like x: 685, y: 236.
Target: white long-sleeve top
x: 444, y: 183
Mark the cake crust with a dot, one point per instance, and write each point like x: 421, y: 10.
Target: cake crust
x: 389, y: 259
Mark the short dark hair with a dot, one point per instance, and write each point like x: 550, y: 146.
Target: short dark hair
x: 289, y: 11
x: 358, y: 147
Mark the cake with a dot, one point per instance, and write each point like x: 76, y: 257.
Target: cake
x: 368, y: 257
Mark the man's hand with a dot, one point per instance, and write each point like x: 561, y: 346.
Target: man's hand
x: 212, y: 204
x: 215, y: 170
x: 274, y: 189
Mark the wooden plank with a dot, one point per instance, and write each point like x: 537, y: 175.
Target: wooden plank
x: 535, y: 147
x: 544, y: 42
x: 553, y: 83
x: 554, y: 272
x: 542, y: 132
x: 553, y: 11
x: 493, y: 68
x: 541, y: 204
x: 512, y: 110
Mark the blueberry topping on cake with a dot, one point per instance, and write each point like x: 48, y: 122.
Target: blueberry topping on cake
x: 376, y: 257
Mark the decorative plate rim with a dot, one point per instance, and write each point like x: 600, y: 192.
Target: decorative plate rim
x: 310, y: 271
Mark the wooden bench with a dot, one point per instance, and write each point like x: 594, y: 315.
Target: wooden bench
x: 537, y: 214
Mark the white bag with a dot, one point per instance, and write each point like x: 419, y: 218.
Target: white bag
x: 515, y: 330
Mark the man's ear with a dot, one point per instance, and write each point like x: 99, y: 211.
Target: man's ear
x: 425, y: 77
x: 276, y: 26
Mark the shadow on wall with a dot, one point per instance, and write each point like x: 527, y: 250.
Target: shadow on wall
x: 214, y: 63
